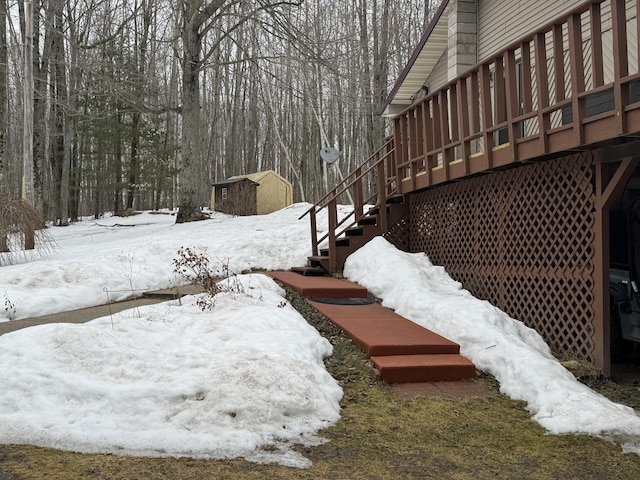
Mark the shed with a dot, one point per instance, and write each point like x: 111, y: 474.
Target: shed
x: 257, y: 193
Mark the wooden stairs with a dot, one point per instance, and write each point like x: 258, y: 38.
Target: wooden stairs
x: 401, y: 350
x: 331, y: 258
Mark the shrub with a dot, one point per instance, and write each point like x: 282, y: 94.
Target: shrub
x: 20, y: 226
x: 196, y: 267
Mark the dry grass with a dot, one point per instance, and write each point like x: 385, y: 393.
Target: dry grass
x: 382, y: 435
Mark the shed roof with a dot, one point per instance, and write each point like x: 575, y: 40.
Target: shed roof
x: 232, y: 180
x: 259, y: 176
x: 255, y: 177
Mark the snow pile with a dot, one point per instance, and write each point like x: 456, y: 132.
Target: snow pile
x: 515, y: 354
x: 169, y: 380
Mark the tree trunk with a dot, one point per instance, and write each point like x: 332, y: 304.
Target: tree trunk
x: 117, y: 191
x: 142, y: 41
x: 3, y: 95
x: 193, y: 186
x: 60, y: 152
x: 27, y: 139
x: 133, y: 160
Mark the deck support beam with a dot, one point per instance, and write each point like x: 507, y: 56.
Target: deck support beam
x: 609, y: 187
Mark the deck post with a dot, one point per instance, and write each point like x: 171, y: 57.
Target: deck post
x: 620, y: 62
x: 608, y: 189
x: 602, y: 336
x: 314, y: 232
x: 333, y: 223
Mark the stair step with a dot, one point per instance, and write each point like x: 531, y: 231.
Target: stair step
x: 354, y: 232
x: 370, y: 220
x: 380, y: 331
x: 322, y: 287
x: 310, y: 271
x: 423, y: 368
x: 342, y: 242
x: 318, y: 262
x: 395, y: 199
x: 354, y: 243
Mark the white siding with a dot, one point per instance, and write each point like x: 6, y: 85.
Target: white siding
x: 502, y: 22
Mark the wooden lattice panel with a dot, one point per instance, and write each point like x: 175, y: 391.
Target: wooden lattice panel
x: 398, y: 234
x: 522, y: 239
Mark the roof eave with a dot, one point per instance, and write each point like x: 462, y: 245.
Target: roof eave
x: 392, y: 106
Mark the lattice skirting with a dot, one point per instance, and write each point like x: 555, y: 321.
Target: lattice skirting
x: 398, y: 234
x: 522, y: 239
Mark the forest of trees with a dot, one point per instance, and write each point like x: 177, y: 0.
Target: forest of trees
x: 144, y: 103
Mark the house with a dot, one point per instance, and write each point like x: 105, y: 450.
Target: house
x: 514, y: 151
x: 254, y: 194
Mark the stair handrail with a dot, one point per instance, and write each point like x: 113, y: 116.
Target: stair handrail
x: 332, y: 193
x: 386, y: 187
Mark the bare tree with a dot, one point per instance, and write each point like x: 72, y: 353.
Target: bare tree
x: 144, y: 103
x: 27, y: 106
x: 4, y: 98
x: 200, y: 17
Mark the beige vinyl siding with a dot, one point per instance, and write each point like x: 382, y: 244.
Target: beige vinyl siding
x: 502, y: 22
x: 438, y: 76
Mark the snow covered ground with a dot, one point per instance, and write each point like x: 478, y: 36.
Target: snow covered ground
x: 173, y: 380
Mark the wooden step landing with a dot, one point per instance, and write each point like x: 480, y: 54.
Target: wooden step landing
x: 380, y: 331
x: 423, y: 368
x: 401, y: 350
x: 329, y: 287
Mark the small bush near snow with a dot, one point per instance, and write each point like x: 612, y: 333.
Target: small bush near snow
x: 21, y: 229
x: 196, y: 267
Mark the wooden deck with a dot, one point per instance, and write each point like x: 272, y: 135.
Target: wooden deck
x: 546, y: 94
x: 572, y: 85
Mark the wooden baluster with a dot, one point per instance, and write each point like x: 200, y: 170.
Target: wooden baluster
x: 333, y: 223
x: 413, y: 133
x: 314, y: 232
x: 487, y: 112
x: 597, y: 63
x: 542, y: 81
x: 558, y: 62
x: 620, y: 62
x: 398, y: 133
x: 419, y: 163
x: 358, y: 188
x: 511, y: 97
x: 577, y: 76
x: 499, y: 92
x: 437, y: 124
x: 475, y: 103
x: 526, y: 90
x: 382, y: 198
x: 427, y: 138
x: 463, y: 121
x: 445, y: 137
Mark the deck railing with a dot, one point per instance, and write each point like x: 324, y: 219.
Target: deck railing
x: 572, y: 83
